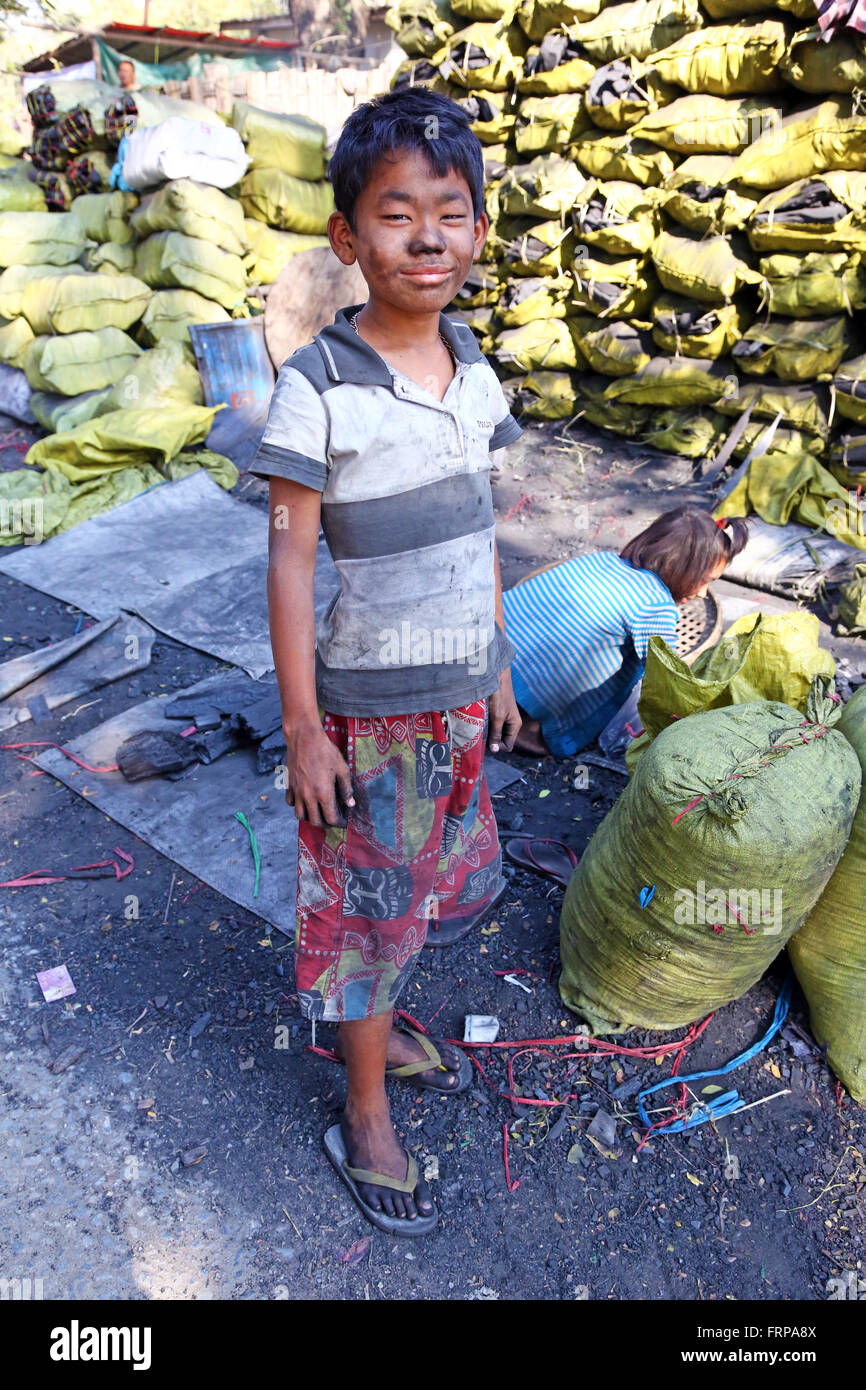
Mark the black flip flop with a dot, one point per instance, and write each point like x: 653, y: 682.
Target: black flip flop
x: 431, y: 1060
x: 335, y: 1148
x: 551, y: 858
x: 455, y: 928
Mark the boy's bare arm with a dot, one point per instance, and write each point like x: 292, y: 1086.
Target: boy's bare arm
x: 503, y: 715
x: 315, y: 766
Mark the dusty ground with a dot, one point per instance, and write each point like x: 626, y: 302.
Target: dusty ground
x: 180, y: 1155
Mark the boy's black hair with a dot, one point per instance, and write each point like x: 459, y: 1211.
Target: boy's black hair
x: 406, y: 119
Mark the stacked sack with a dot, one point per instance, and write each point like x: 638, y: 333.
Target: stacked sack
x: 677, y: 195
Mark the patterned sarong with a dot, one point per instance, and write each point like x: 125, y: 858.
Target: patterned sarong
x: 421, y: 844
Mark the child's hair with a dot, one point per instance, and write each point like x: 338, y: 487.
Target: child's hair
x: 684, y: 546
x: 406, y: 119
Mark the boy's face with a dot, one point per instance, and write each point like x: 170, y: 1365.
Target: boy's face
x: 415, y: 235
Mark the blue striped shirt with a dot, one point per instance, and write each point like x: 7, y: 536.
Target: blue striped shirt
x: 582, y: 631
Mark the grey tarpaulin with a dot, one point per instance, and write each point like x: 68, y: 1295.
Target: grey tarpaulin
x: 87, y: 661
x: 792, y: 560
x: 185, y: 556
x: 192, y: 819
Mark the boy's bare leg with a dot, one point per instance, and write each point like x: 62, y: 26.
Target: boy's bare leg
x: 530, y: 740
x: 401, y: 1048
x: 366, y: 1123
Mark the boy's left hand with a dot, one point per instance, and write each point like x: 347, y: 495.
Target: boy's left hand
x: 503, y: 716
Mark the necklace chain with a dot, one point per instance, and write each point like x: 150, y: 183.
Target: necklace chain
x: 354, y: 323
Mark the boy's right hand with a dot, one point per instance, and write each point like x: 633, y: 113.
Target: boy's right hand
x: 316, y: 770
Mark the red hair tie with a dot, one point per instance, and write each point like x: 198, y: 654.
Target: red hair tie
x: 722, y: 523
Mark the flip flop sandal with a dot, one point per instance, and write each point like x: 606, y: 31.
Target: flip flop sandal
x: 551, y: 858
x: 463, y: 1074
x: 446, y: 933
x: 335, y: 1148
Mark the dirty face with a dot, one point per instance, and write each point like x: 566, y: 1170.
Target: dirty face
x: 415, y: 235
x: 714, y: 574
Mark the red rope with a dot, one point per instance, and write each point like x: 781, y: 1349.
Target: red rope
x: 512, y: 1185
x: 48, y: 743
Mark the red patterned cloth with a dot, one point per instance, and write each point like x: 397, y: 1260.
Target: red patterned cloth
x: 421, y: 844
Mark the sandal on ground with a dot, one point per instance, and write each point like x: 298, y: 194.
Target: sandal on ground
x: 335, y: 1148
x: 551, y: 858
x: 432, y: 1058
x: 455, y: 928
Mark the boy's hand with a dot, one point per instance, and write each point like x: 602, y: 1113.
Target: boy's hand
x: 503, y: 716
x: 316, y: 770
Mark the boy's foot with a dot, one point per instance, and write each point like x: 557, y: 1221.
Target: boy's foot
x: 372, y: 1144
x: 402, y: 1048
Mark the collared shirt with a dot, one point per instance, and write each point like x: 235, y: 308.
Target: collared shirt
x: 407, y: 513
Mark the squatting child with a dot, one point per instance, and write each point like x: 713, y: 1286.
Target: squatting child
x: 380, y: 432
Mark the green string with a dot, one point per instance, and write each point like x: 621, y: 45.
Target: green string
x: 255, y: 848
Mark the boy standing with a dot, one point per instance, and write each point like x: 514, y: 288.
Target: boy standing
x: 380, y: 430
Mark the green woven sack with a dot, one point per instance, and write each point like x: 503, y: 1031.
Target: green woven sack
x: 673, y: 381
x: 726, y: 58
x: 486, y: 11
x: 293, y: 144
x: 121, y: 439
x: 707, y: 864
x: 624, y: 91
x: 550, y: 123
x: 542, y: 395
x: 694, y: 434
x: 197, y: 210
x: 15, y: 279
x: 421, y: 26
x: 40, y: 238
x: 622, y: 417
x: 483, y: 323
x: 72, y: 363
x: 542, y: 344
x: 170, y: 259
x: 850, y: 386
x: 709, y: 270
x: 733, y: 9
x: 794, y: 349
x: 61, y: 413
x: 538, y: 17
x: 707, y: 124
x: 819, y: 283
x: 491, y: 114
x: 545, y: 187
x: 697, y: 196
x: 612, y: 346
x: 829, y: 136
x: 105, y: 216
x: 83, y: 303
x: 536, y: 248
x: 170, y: 312
x: 18, y: 193
x: 109, y: 259
x: 15, y: 338
x: 638, y: 28
x: 612, y: 287
x: 621, y: 156
x: 828, y: 953
x: 819, y: 68
x: 291, y: 204
x: 532, y: 297
x: 804, y: 408
x: 163, y: 376
x: 784, y: 220
x: 689, y: 329
x: 272, y: 250
x: 486, y: 57
x: 617, y: 217
x: 785, y: 441
x: 557, y: 66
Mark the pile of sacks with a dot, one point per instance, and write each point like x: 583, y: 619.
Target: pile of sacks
x: 97, y: 300
x: 677, y: 195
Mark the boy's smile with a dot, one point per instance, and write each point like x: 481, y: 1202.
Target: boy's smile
x: 415, y: 234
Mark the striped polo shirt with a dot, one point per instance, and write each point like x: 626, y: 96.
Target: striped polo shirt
x: 407, y: 513
x: 582, y: 633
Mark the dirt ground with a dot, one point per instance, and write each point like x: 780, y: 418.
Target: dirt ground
x: 179, y: 1156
